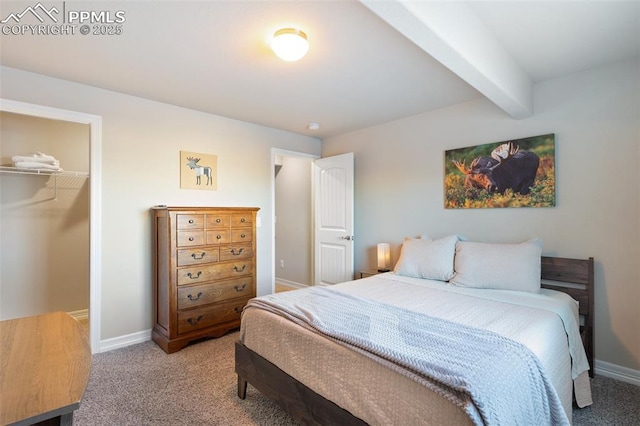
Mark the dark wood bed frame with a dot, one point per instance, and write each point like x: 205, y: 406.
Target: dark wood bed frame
x: 572, y: 276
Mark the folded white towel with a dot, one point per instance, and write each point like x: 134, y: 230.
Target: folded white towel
x: 38, y: 157
x: 21, y: 159
x: 34, y: 165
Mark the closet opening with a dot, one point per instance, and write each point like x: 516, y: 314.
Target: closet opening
x: 49, y: 214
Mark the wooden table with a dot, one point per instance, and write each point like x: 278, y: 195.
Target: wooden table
x: 44, y: 369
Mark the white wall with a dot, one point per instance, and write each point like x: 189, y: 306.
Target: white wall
x: 595, y: 117
x: 141, y: 142
x: 294, y: 221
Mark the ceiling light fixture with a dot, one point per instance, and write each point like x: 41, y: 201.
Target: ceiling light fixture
x: 313, y: 126
x: 290, y: 44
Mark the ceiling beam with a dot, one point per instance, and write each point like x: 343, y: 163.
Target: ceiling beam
x: 452, y: 34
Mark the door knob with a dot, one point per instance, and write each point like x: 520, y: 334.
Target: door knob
x: 347, y: 237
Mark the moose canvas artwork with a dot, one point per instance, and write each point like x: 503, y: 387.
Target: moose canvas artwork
x: 515, y: 173
x: 198, y: 171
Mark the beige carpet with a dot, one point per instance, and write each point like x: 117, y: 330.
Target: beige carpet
x: 141, y: 385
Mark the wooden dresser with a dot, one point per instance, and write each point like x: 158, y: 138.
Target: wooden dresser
x: 205, y: 271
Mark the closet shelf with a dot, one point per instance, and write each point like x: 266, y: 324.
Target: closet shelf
x: 45, y: 172
x: 65, y: 173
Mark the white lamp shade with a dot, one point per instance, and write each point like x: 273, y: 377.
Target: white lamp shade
x: 384, y: 257
x: 290, y: 44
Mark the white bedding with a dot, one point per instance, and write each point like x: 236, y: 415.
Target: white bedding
x: 332, y: 371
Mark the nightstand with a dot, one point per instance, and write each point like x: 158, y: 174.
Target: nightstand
x: 369, y: 272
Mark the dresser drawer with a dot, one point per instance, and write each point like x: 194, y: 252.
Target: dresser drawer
x: 204, y: 273
x: 190, y: 238
x: 218, y: 220
x: 241, y: 219
x: 219, y: 236
x: 236, y: 251
x: 197, y: 256
x: 241, y: 235
x: 190, y: 221
x: 195, y: 319
x: 203, y: 294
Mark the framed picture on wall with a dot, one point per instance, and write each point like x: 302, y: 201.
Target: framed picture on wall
x: 516, y: 173
x: 198, y: 171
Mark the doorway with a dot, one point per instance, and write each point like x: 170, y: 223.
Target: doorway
x: 94, y: 182
x: 292, y: 201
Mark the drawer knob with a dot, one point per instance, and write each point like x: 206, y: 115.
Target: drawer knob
x: 218, y: 220
x: 218, y: 236
x: 190, y: 238
x: 242, y: 235
x: 193, y: 321
x: 238, y: 252
x: 235, y: 268
x: 196, y: 276
x: 195, y: 256
x: 242, y: 220
x: 240, y: 288
x: 190, y: 220
x: 193, y: 299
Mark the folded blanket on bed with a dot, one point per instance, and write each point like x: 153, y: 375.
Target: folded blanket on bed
x: 495, y: 380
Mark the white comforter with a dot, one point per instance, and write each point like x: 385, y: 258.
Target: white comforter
x: 541, y: 322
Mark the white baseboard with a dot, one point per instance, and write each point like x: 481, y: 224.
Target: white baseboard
x: 81, y: 315
x: 617, y: 372
x: 124, y: 341
x: 290, y: 283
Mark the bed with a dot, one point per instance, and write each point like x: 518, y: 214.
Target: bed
x: 322, y: 379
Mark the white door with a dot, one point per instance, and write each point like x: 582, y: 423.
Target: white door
x: 333, y: 200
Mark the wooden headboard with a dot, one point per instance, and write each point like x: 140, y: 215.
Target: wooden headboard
x: 574, y: 277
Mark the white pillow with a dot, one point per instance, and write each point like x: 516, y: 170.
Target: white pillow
x: 498, y: 266
x: 426, y: 258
